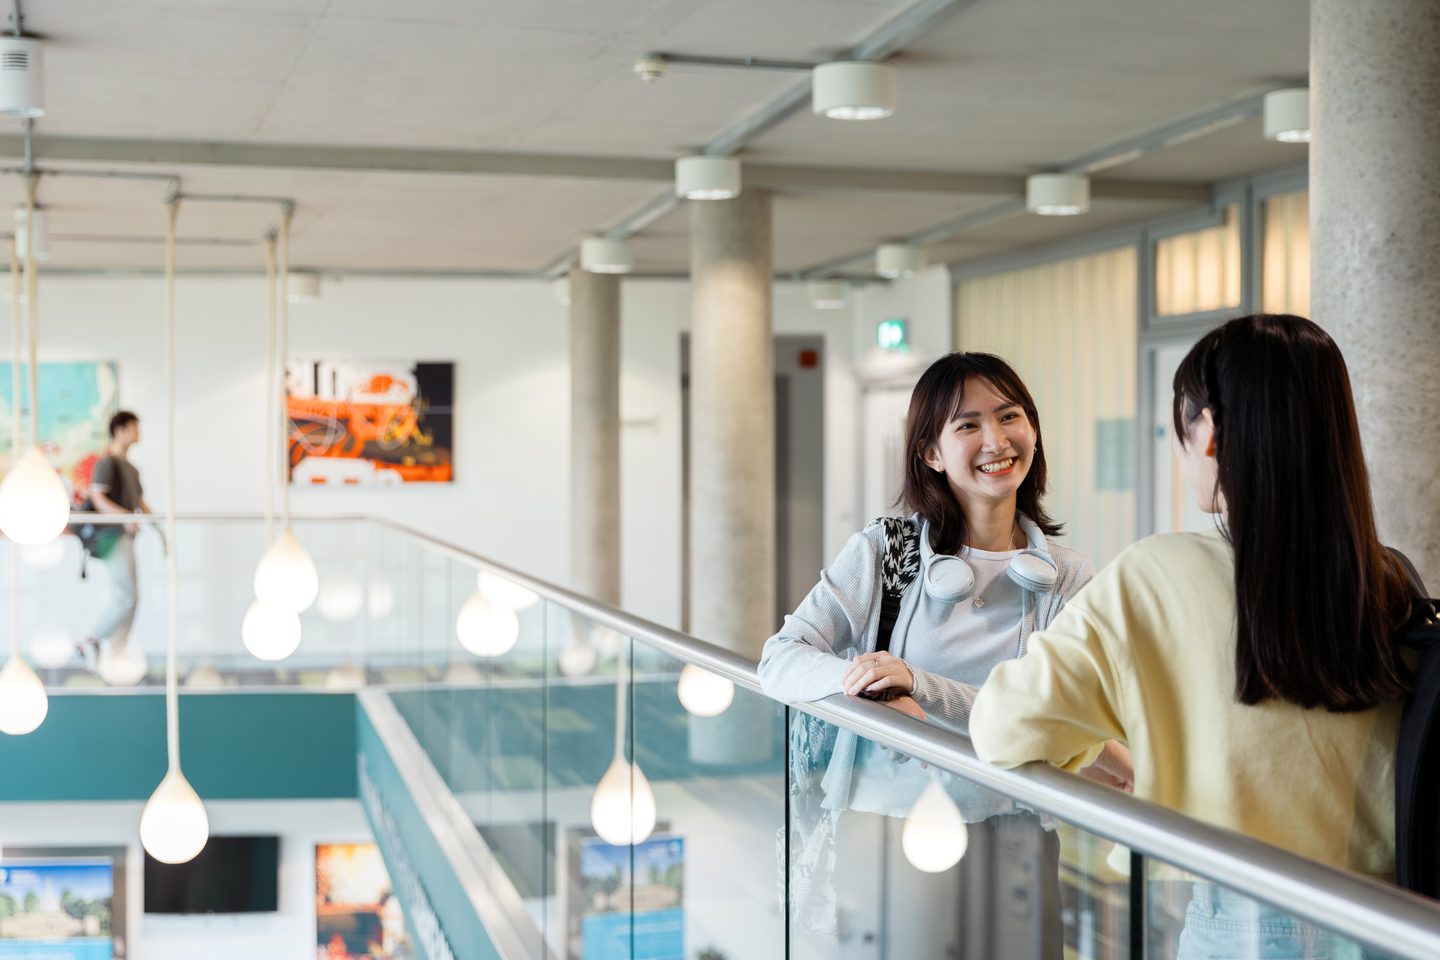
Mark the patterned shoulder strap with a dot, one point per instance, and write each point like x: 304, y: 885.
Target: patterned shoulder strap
x: 898, y: 569
x: 901, y: 563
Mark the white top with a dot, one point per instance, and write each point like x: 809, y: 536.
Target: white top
x: 963, y: 642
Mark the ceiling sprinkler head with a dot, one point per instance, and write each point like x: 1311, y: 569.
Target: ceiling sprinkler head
x: 650, y: 67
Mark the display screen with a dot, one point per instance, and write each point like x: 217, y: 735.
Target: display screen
x: 231, y: 875
x: 56, y: 910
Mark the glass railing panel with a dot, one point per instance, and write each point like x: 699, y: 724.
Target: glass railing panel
x: 706, y: 881
x: 475, y: 700
x: 514, y: 824
x: 586, y: 899
x: 1190, y: 918
x: 889, y: 857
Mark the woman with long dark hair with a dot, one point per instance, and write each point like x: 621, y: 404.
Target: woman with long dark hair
x: 985, y: 575
x: 1253, y: 672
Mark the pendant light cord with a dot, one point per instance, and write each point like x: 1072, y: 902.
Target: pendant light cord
x: 32, y: 286
x: 172, y: 695
x: 271, y: 415
x: 283, y: 338
x: 620, y: 693
x: 15, y: 341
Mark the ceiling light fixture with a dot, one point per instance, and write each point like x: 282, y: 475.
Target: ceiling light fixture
x: 897, y: 261
x: 853, y: 90
x: 22, y: 77
x: 702, y: 693
x: 1057, y: 194
x: 1287, y: 115
x: 285, y: 577
x: 173, y: 825
x: 828, y: 294
x: 622, y: 808
x: 485, y: 628
x: 934, y: 837
x: 606, y: 255
x: 304, y: 287
x: 34, y: 504
x: 704, y: 177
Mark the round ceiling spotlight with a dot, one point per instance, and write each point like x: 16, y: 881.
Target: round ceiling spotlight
x: 304, y: 287
x: 897, y: 261
x: 1287, y: 115
x: 22, y: 77
x: 828, y: 294
x: 606, y: 255
x: 853, y: 90
x: 651, y: 67
x: 1057, y: 194
x: 707, y: 178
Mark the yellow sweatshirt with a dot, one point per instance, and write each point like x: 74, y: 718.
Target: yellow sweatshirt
x: 1145, y: 654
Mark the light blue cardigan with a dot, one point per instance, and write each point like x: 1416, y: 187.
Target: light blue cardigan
x: 807, y: 660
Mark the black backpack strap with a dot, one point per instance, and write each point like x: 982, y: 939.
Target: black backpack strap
x: 898, y: 568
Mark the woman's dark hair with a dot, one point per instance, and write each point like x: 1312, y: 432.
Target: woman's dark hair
x: 1318, y: 597
x: 934, y: 404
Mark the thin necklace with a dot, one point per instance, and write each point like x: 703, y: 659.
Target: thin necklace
x: 979, y: 602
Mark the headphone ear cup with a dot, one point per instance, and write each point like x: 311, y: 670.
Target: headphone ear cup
x: 949, y: 580
x: 1033, y: 571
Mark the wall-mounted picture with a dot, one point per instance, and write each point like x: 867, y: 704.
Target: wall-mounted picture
x: 57, y: 909
x: 77, y: 401
x: 357, y: 914
x: 360, y: 423
x: 631, y: 902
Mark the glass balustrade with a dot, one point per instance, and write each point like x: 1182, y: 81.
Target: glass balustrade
x: 626, y: 797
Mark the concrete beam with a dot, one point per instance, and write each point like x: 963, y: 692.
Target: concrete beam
x: 292, y: 156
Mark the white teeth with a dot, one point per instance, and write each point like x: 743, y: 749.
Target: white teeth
x: 997, y: 466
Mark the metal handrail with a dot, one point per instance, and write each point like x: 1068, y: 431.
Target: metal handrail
x: 1380, y: 916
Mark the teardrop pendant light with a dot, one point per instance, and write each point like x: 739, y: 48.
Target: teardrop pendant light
x: 934, y: 837
x: 23, y: 701
x: 34, y: 505
x: 702, y: 693
x: 622, y: 809
x: 173, y: 826
x: 269, y: 631
x: 286, y: 577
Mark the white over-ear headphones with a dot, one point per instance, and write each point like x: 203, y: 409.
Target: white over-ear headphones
x: 949, y: 579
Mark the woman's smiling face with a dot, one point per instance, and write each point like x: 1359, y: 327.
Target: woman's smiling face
x: 986, y: 449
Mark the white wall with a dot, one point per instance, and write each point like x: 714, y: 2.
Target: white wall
x: 288, y: 934
x: 509, y: 341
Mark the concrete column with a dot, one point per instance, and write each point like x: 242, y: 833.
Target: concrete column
x: 1375, y: 243
x: 595, y: 434
x: 732, y: 452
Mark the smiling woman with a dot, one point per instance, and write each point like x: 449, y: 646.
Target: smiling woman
x: 977, y: 573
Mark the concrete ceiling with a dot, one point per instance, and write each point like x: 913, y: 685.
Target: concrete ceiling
x: 1005, y: 87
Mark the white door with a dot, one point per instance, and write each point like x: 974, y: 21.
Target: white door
x: 882, y: 449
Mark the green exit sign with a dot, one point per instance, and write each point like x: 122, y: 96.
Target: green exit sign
x: 891, y: 335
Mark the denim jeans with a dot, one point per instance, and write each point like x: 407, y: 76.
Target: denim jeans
x: 114, y: 623
x: 1222, y: 925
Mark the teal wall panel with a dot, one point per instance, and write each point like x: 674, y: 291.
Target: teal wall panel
x: 240, y: 746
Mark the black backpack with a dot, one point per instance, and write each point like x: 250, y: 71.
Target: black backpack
x: 1417, y: 754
